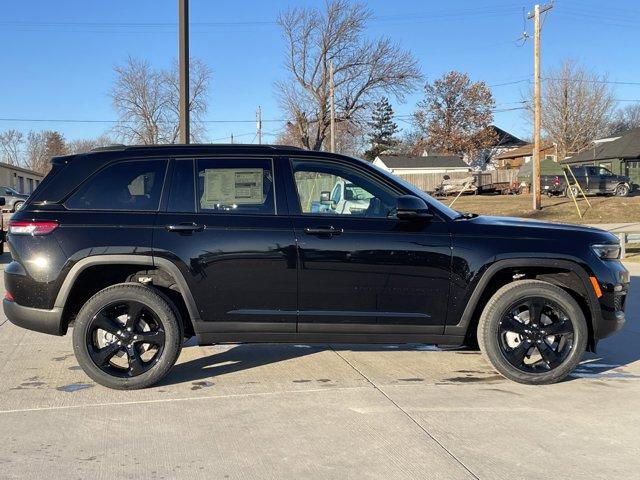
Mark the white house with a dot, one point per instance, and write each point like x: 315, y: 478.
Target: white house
x: 425, y: 163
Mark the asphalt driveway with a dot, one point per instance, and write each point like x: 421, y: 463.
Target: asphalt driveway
x: 330, y: 411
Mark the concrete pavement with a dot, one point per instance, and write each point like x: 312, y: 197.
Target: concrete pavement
x: 331, y: 411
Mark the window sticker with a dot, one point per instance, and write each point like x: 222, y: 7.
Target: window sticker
x: 232, y: 186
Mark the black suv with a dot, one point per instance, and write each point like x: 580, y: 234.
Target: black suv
x: 140, y: 247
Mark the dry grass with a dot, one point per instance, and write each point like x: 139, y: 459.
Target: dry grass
x: 559, y: 209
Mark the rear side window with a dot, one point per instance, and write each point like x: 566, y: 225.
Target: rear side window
x: 133, y: 185
x: 235, y: 186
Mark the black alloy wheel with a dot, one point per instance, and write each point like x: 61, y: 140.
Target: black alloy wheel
x: 533, y: 332
x: 536, y: 335
x: 127, y: 336
x: 125, y: 339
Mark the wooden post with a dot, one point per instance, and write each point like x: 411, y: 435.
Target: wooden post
x: 332, y: 108
x: 537, y: 194
x: 183, y: 29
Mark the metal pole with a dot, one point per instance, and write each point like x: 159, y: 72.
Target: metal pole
x: 183, y: 7
x: 537, y: 198
x: 332, y: 108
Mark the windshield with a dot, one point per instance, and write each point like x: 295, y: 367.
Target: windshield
x: 441, y: 207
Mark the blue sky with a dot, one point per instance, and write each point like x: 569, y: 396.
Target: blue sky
x: 58, y: 57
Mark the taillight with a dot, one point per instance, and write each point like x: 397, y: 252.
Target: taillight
x: 8, y: 296
x: 556, y: 181
x: 20, y: 227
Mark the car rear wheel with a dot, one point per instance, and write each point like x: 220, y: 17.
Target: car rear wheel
x: 572, y: 191
x: 127, y: 336
x: 622, y: 190
x: 533, y: 332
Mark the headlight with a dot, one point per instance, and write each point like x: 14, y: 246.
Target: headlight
x: 607, y: 251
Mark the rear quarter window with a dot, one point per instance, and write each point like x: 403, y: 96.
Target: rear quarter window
x: 134, y: 185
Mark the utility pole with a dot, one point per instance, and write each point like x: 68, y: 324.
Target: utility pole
x: 259, y: 124
x: 183, y: 34
x: 537, y: 196
x: 232, y: 139
x: 332, y: 108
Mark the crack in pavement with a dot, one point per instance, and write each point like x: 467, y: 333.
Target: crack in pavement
x: 407, y: 414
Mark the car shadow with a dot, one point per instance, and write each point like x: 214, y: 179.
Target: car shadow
x: 241, y: 357
x: 613, y: 354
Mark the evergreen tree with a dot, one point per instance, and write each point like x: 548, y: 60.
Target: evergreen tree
x: 382, y: 129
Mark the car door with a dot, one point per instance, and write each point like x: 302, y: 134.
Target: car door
x: 225, y: 227
x: 364, y: 271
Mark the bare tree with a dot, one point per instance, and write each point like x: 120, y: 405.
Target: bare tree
x: 363, y: 69
x: 41, y: 147
x: 349, y: 138
x: 147, y: 101
x: 625, y: 119
x: 11, y: 142
x: 84, y: 145
x: 199, y: 79
x: 576, y: 107
x: 454, y: 115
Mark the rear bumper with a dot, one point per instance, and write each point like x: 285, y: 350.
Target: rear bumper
x: 45, y: 321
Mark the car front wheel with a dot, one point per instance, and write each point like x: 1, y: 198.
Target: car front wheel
x: 127, y: 336
x: 622, y: 190
x: 533, y: 332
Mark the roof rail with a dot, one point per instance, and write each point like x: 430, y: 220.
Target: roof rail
x: 118, y: 147
x: 115, y: 146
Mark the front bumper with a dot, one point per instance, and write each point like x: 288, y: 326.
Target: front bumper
x: 612, y: 306
x: 40, y: 320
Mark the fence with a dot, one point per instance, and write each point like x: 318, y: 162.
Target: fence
x: 428, y: 182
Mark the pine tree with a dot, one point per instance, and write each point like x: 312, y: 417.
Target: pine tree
x: 382, y: 129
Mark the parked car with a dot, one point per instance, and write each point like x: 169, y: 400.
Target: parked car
x: 12, y: 198
x: 592, y: 180
x: 140, y: 247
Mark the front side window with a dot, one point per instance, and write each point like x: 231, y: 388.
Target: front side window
x: 360, y: 195
x: 131, y: 185
x: 236, y: 186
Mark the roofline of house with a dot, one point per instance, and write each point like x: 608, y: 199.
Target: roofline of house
x: 21, y: 169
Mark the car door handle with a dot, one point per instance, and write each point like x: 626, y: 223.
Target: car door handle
x: 323, y: 231
x: 184, y: 228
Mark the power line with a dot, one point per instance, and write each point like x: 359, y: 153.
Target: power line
x: 84, y: 120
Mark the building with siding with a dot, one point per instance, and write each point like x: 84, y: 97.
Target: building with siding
x: 517, y: 157
x: 620, y: 154
x: 425, y: 163
x: 21, y: 179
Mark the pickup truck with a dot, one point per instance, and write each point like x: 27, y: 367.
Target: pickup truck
x: 593, y: 180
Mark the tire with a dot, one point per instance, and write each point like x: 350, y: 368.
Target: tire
x: 571, y: 192
x: 622, y: 190
x: 17, y: 206
x: 154, y: 310
x: 1, y: 247
x: 492, y: 335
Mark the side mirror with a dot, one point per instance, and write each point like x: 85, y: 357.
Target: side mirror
x: 409, y: 207
x: 325, y: 197
x: 446, y: 177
